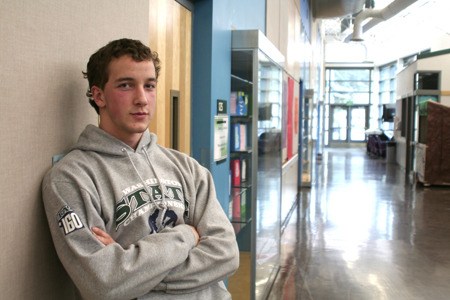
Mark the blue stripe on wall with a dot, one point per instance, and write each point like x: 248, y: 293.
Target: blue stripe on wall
x: 211, y: 67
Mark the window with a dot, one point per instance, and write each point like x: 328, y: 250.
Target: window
x: 387, y: 97
x: 387, y: 83
x: 348, y: 86
x: 347, y: 104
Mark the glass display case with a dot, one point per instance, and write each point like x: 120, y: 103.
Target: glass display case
x: 255, y: 159
x: 306, y: 142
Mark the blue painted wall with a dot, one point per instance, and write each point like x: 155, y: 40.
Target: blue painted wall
x: 211, y: 69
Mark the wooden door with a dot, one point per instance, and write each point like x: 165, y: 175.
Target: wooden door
x: 170, y: 30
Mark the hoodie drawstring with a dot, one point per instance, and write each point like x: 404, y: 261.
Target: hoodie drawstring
x: 162, y: 214
x: 162, y: 206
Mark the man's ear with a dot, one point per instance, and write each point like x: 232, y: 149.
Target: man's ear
x: 98, y: 96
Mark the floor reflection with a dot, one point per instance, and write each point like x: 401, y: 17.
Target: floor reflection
x: 360, y: 232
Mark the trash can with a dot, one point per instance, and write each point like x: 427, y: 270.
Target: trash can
x: 391, y: 152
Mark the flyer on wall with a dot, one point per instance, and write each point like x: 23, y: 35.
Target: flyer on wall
x: 220, y: 137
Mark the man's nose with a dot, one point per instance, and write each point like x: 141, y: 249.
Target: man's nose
x: 141, y: 96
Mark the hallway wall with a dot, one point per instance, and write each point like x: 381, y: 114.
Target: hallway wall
x: 43, y: 109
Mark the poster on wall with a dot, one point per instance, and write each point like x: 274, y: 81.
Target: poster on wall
x: 220, y: 137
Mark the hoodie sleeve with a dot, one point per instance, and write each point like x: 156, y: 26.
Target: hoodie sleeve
x: 108, y: 272
x: 217, y: 254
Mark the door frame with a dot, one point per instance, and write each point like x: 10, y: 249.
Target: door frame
x: 172, y: 40
x: 348, y: 108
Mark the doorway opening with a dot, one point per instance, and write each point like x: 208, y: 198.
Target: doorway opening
x: 348, y: 124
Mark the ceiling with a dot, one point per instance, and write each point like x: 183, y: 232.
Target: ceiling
x: 409, y: 26
x: 324, y: 9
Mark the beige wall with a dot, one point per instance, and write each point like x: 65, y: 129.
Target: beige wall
x: 44, y: 47
x: 283, y: 30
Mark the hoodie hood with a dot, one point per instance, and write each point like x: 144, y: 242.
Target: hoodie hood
x: 98, y: 140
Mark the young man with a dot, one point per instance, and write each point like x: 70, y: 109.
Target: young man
x: 129, y: 218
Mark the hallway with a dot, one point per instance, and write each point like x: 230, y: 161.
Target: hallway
x: 360, y: 232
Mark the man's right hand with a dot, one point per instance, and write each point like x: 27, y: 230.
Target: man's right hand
x: 197, y: 236
x: 102, y: 236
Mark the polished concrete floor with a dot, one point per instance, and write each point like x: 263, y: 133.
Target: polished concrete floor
x: 363, y: 232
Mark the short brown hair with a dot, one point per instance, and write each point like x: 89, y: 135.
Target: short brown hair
x: 97, y: 67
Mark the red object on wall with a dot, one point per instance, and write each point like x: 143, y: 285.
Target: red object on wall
x: 236, y: 172
x: 236, y: 204
x: 296, y: 115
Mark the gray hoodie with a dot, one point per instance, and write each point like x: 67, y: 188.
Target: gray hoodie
x: 143, y: 198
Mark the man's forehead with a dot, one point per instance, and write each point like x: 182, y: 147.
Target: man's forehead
x: 128, y: 60
x: 127, y: 65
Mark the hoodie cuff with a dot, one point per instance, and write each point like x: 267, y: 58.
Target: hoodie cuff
x: 187, y: 232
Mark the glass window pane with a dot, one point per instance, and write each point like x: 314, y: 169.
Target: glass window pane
x: 384, y: 73
x: 386, y: 97
x: 350, y: 86
x: 361, y: 98
x: 349, y: 98
x: 392, y: 84
x: 393, y: 70
x: 268, y: 196
x: 358, y: 123
x: 339, y: 125
x: 350, y: 74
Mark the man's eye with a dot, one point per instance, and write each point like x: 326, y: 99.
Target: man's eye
x: 150, y: 86
x: 124, y: 85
